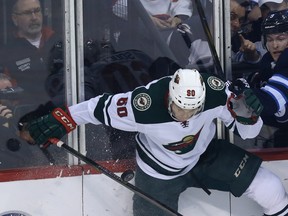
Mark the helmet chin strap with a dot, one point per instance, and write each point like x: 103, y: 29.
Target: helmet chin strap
x: 199, y: 109
x: 169, y: 108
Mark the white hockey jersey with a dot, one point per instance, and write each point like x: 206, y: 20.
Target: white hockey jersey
x: 166, y: 148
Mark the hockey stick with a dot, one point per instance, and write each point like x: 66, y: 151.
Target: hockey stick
x: 219, y: 70
x: 185, y: 31
x: 114, y: 177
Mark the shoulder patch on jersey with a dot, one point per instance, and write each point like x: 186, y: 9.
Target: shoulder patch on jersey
x: 215, y: 83
x: 142, y: 101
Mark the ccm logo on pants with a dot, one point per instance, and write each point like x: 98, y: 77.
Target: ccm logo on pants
x: 241, y: 165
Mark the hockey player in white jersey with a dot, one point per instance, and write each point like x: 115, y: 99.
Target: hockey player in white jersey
x: 176, y: 146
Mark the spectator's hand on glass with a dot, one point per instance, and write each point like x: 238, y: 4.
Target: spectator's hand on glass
x: 175, y: 21
x: 164, y: 22
x: 161, y: 23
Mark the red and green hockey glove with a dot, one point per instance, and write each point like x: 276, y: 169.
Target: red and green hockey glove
x: 54, y: 125
x: 245, y: 108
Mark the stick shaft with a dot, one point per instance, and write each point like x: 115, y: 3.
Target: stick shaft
x: 210, y: 41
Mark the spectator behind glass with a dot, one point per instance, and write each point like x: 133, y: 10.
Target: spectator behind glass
x: 243, y: 49
x: 27, y: 53
x: 14, y: 153
x: 196, y: 53
x: 167, y: 13
x: 29, y: 57
x: 188, y: 42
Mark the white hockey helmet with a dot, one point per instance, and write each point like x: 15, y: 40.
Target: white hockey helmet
x: 187, y: 89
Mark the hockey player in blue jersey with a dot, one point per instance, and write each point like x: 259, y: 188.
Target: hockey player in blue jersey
x: 176, y: 145
x: 271, y: 81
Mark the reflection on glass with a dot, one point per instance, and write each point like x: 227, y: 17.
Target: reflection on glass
x: 126, y: 26
x: 32, y: 59
x: 131, y: 45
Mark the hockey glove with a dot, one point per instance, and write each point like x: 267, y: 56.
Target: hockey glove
x: 238, y: 86
x: 245, y: 108
x: 54, y: 125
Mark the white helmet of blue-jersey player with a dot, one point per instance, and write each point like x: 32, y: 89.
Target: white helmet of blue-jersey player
x: 187, y: 89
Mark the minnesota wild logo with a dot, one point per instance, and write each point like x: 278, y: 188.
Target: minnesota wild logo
x: 142, y: 101
x: 185, y: 145
x: 215, y: 83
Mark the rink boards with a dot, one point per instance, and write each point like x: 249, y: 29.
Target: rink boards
x: 81, y: 191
